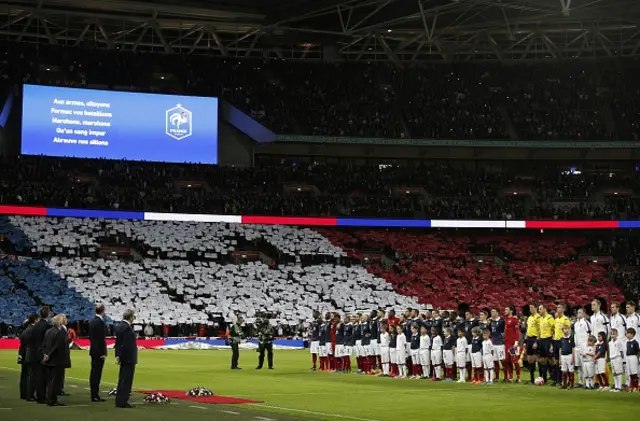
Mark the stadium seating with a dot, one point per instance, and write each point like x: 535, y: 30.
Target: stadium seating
x: 445, y: 270
x: 35, y: 283
x: 15, y: 302
x: 164, y: 239
x: 186, y: 276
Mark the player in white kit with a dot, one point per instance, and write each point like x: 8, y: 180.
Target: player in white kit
x: 425, y: 352
x: 599, y: 320
x: 401, y: 352
x: 581, y: 333
x: 487, y: 357
x: 461, y: 355
x: 385, y: 355
x: 436, y: 353
x: 616, y: 358
x: 588, y: 362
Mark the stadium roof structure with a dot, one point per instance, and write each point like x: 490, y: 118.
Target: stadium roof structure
x: 392, y: 30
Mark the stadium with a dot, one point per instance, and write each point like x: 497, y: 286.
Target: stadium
x: 328, y: 191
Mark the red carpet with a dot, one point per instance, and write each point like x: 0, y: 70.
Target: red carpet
x: 214, y: 400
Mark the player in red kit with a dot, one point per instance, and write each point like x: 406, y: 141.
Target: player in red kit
x: 512, y: 342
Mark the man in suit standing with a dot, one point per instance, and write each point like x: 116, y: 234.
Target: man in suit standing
x: 97, y: 351
x: 25, y: 356
x: 61, y: 391
x: 126, y: 351
x: 38, y: 374
x: 56, y: 356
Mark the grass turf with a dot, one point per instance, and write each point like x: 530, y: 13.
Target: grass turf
x: 292, y: 392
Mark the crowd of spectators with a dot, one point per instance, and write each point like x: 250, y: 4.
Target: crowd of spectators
x: 433, y: 191
x: 447, y: 101
x: 623, y: 92
x: 443, y: 102
x: 555, y: 102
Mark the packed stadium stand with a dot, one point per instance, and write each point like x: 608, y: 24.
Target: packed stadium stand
x: 302, y: 188
x: 447, y: 269
x: 442, y: 101
x: 189, y: 273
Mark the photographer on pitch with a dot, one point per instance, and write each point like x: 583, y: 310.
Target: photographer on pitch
x: 266, y: 333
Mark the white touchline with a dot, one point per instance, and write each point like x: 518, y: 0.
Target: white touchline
x: 304, y: 411
x: 264, y: 419
x: 230, y: 412
x: 79, y: 379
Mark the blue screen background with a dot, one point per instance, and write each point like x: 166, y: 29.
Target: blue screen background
x: 138, y: 126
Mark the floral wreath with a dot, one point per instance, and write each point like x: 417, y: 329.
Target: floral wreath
x: 199, y: 391
x: 155, y: 398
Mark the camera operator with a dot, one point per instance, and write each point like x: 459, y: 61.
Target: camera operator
x: 266, y: 334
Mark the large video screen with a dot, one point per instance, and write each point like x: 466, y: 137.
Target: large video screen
x: 88, y: 123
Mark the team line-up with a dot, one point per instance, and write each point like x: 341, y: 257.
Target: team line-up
x: 428, y: 345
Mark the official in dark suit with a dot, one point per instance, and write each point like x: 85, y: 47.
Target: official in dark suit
x: 126, y: 351
x: 97, y: 351
x: 61, y: 391
x: 56, y: 357
x: 38, y: 375
x: 24, y: 357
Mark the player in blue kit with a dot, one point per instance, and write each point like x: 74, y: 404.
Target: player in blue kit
x: 467, y: 326
x: 357, y: 340
x: 448, y: 359
x: 601, y: 361
x: 339, y: 350
x: 631, y: 357
x: 348, y: 344
x: 322, y: 343
x: 409, y: 322
x: 414, y: 346
x: 476, y: 355
x: 314, y: 339
x: 374, y: 344
x: 437, y: 321
x: 497, y: 338
x: 566, y: 349
x: 483, y: 321
x: 366, y: 344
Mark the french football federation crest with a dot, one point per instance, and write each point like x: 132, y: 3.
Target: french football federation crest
x: 179, y: 125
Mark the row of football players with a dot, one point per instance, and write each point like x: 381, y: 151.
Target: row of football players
x: 479, y: 343
x: 422, y: 338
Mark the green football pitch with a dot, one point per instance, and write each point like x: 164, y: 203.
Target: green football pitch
x: 291, y: 392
